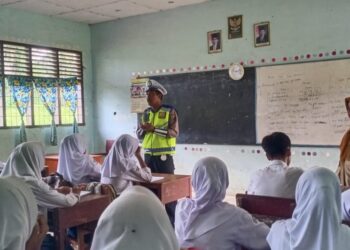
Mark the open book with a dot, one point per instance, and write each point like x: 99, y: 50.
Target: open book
x: 84, y: 193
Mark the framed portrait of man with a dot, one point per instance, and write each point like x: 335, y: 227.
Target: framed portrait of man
x: 262, y: 34
x: 214, y: 41
x: 235, y: 26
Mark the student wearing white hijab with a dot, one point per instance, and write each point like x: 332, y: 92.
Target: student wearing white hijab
x: 316, y: 221
x: 26, y: 162
x: 345, y: 197
x: 20, y: 228
x: 124, y: 164
x: 206, y: 222
x: 74, y: 164
x: 135, y: 220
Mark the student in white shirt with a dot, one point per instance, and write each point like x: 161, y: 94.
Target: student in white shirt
x: 74, y: 164
x: 26, y: 162
x: 21, y: 226
x: 316, y: 221
x: 124, y: 164
x: 135, y: 220
x: 277, y: 179
x: 206, y: 222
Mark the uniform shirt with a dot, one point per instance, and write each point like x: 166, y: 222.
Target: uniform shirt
x: 206, y: 222
x: 121, y: 168
x: 316, y: 220
x: 276, y: 180
x: 173, y: 127
x: 26, y: 162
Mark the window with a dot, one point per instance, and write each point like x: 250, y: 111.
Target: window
x: 34, y: 61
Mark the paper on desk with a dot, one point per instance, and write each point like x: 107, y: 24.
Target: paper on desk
x: 156, y: 178
x: 83, y: 193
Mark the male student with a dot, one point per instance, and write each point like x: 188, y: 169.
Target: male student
x: 159, y: 128
x: 277, y: 179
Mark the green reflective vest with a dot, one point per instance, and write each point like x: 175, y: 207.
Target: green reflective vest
x: 155, y: 144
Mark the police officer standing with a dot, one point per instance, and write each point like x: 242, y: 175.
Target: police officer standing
x: 159, y: 128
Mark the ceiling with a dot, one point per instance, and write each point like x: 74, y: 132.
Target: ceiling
x: 95, y: 11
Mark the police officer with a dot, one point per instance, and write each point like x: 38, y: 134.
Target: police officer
x: 159, y: 128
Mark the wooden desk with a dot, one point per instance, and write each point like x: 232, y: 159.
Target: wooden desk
x: 87, y: 210
x: 171, y: 188
x: 51, y: 161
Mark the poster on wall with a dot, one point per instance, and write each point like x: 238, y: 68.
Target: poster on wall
x: 138, y: 95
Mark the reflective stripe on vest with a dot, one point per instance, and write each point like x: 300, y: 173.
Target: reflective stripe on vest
x: 155, y: 144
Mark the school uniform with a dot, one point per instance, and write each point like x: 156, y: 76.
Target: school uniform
x: 18, y: 213
x: 276, y: 180
x: 135, y: 220
x: 121, y: 168
x: 74, y: 164
x: 26, y: 162
x: 206, y: 222
x: 316, y: 221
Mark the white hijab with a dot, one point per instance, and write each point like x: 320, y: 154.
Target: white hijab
x: 26, y: 162
x: 73, y: 162
x: 209, y: 181
x: 135, y: 220
x: 316, y: 221
x: 121, y: 157
x: 18, y: 213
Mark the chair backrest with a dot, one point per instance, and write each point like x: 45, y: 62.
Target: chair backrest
x: 266, y: 205
x: 109, y: 144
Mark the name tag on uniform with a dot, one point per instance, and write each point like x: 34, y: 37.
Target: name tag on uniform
x: 161, y: 114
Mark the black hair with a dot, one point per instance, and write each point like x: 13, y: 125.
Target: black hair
x: 276, y: 144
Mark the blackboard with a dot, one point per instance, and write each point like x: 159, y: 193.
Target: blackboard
x: 304, y: 100
x: 213, y: 108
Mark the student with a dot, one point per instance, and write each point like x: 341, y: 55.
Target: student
x: 135, y: 220
x: 21, y: 226
x: 26, y: 162
x: 316, y: 221
x: 74, y: 164
x: 345, y: 198
x: 277, y: 179
x: 124, y: 164
x: 206, y: 222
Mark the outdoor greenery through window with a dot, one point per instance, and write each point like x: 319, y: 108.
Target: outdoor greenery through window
x: 23, y: 60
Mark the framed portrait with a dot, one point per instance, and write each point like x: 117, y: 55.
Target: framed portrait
x: 214, y: 41
x: 262, y: 34
x: 235, y: 26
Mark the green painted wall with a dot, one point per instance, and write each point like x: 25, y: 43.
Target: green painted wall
x: 25, y: 27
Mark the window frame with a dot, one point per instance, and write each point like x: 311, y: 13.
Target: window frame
x: 30, y: 63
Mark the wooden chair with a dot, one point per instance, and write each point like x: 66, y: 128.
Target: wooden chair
x: 265, y: 208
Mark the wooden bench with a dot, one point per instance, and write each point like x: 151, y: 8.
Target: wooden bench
x: 265, y: 208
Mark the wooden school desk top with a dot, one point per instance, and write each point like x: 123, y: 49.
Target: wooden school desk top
x: 171, y: 188
x: 88, y: 209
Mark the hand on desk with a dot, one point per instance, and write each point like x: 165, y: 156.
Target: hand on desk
x: 67, y: 190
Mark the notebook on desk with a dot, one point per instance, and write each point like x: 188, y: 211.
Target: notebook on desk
x: 84, y: 193
x: 156, y: 178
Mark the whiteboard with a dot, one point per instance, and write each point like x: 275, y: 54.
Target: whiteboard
x: 306, y: 101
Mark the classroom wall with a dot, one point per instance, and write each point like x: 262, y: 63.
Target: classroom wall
x: 177, y: 38
x: 25, y: 27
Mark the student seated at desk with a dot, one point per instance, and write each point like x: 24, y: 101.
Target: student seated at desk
x: 316, y: 221
x: 206, y: 222
x: 74, y: 164
x: 21, y: 225
x: 277, y: 179
x: 124, y: 164
x: 26, y: 162
x: 135, y: 220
